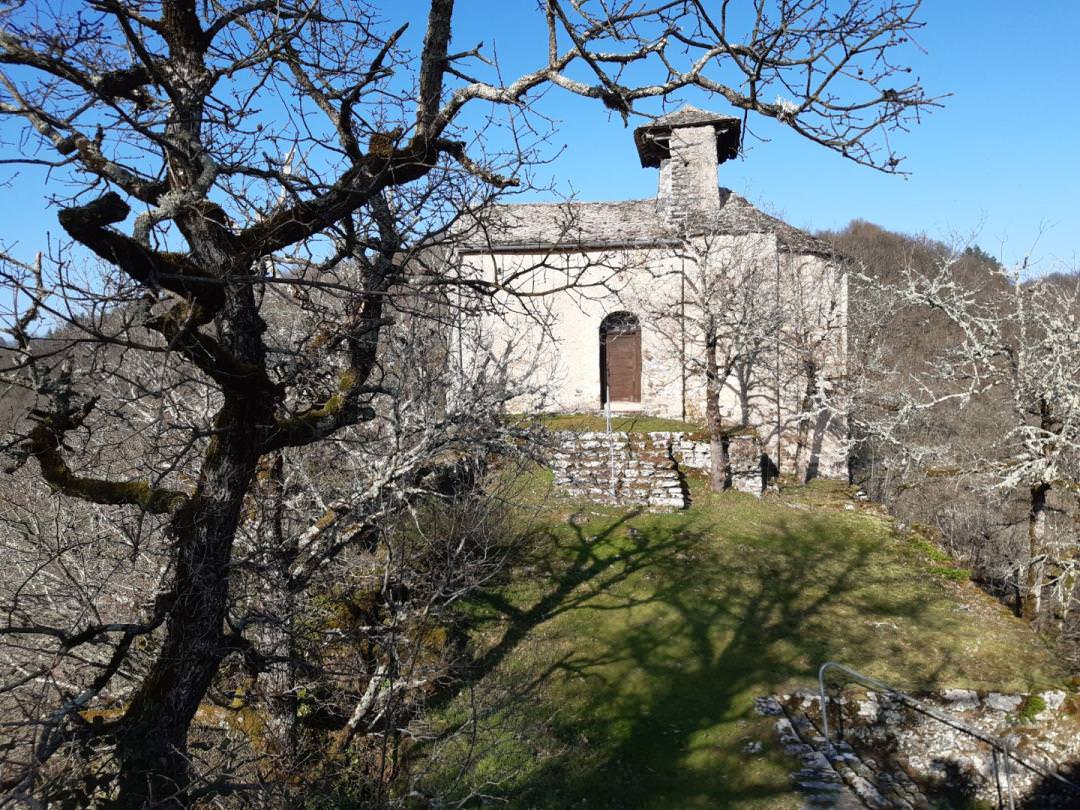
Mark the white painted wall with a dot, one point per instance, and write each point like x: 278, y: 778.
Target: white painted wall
x: 556, y: 336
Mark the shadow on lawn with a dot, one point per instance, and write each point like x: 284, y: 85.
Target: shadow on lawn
x: 681, y: 639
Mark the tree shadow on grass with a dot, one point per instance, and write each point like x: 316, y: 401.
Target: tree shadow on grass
x: 649, y: 707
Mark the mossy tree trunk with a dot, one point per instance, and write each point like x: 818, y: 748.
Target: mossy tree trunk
x: 152, y: 743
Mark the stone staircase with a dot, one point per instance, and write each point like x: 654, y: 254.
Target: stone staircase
x: 954, y: 748
x: 836, y: 775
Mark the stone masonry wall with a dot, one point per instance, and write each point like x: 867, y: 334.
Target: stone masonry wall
x: 688, y: 186
x: 692, y: 451
x: 649, y: 468
x: 645, y: 474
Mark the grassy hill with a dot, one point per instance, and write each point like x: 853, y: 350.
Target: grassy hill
x: 621, y: 661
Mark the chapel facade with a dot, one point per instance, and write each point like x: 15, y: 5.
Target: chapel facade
x: 638, y: 304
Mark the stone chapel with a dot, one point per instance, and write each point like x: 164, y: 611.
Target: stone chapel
x: 641, y: 292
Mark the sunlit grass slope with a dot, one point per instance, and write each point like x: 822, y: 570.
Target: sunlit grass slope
x: 619, y: 667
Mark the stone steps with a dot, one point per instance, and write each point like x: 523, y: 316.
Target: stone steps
x: 835, y: 775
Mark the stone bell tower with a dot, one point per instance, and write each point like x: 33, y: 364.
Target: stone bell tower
x: 688, y: 145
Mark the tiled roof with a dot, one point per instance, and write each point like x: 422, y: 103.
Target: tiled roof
x: 689, y: 116
x: 578, y: 225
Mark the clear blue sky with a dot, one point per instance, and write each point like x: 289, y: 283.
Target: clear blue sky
x: 1001, y: 157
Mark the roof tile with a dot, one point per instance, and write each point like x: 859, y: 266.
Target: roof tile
x: 579, y: 225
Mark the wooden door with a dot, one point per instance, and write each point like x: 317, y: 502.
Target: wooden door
x: 620, y: 362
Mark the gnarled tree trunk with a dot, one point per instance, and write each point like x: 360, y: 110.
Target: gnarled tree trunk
x: 152, y: 742
x: 1032, y: 599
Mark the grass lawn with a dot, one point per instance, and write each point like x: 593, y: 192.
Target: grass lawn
x: 586, y: 422
x: 619, y: 664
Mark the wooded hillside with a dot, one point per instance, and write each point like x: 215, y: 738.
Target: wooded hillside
x: 930, y: 471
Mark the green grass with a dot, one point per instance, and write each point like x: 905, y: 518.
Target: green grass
x: 956, y: 574
x: 618, y: 667
x: 1030, y: 708
x: 586, y: 422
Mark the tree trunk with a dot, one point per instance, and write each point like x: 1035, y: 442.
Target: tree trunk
x: 1036, y: 549
x: 806, y: 421
x: 744, y: 371
x: 152, y: 741
x: 720, y: 460
x: 278, y: 682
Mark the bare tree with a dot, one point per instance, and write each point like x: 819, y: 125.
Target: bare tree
x: 759, y: 334
x: 714, y: 305
x: 1014, y: 342
x: 220, y: 157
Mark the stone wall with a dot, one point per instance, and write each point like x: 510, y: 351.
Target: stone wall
x: 649, y: 468
x: 691, y: 451
x: 645, y: 473
x: 892, y: 756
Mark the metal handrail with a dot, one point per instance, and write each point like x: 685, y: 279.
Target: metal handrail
x: 999, y: 744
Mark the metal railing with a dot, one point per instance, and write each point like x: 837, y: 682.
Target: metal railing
x: 611, y: 443
x: 1002, y: 750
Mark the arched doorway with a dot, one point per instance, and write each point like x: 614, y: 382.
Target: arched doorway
x: 620, y: 358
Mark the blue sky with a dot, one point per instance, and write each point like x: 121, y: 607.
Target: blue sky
x: 999, y: 160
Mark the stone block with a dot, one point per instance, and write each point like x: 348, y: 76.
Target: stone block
x: 1003, y: 703
x: 962, y: 699
x: 1054, y: 699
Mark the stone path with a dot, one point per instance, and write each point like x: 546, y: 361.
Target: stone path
x: 835, y: 776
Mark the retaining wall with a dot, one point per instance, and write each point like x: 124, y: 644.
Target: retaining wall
x: 645, y: 469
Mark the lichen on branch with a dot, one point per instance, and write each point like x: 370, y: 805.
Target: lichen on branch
x: 44, y: 445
